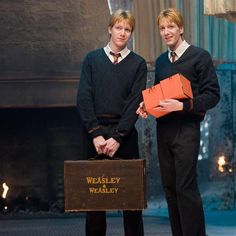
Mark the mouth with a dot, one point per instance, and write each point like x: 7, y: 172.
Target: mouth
x: 122, y: 41
x: 168, y: 38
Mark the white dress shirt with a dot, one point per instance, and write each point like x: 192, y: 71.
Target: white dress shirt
x: 180, y: 50
x: 124, y: 53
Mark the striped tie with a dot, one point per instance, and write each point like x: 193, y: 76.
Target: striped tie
x: 172, y: 54
x: 115, y: 57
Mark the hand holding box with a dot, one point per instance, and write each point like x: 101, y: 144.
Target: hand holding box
x: 174, y: 87
x: 152, y: 97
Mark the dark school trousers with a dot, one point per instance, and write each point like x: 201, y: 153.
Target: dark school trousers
x: 132, y: 220
x: 178, y: 148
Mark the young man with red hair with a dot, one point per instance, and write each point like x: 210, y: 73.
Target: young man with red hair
x: 111, y: 82
x: 178, y: 132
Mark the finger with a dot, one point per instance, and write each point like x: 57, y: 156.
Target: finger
x: 112, y: 154
x: 98, y: 151
x: 109, y: 152
x: 140, y: 110
x: 105, y: 151
x: 143, y: 115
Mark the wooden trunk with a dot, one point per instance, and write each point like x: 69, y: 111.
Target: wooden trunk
x: 105, y: 185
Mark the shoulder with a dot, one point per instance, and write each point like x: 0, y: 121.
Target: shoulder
x: 94, y: 53
x: 162, y: 57
x: 198, y: 51
x: 93, y: 57
x: 136, y: 61
x: 137, y: 57
x: 200, y: 59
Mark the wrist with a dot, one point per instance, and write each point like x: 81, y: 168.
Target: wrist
x: 118, y: 136
x: 95, y: 132
x: 187, y: 105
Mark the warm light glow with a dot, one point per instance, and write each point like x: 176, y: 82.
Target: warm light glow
x: 5, y: 190
x: 221, y: 162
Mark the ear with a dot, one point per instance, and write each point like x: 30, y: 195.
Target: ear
x: 181, y: 30
x: 109, y: 30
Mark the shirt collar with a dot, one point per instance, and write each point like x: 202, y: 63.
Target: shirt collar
x: 123, y: 52
x: 181, y: 49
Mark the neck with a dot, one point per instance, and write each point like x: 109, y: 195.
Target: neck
x: 114, y: 48
x: 174, y: 47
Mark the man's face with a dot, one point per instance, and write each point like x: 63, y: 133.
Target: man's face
x: 120, y: 35
x: 170, y: 33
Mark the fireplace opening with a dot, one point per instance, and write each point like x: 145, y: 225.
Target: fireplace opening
x: 33, y: 146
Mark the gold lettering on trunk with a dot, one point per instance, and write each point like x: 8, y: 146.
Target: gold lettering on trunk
x: 103, y: 185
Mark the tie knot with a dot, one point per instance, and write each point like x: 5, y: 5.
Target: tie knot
x: 173, y: 55
x: 115, y: 56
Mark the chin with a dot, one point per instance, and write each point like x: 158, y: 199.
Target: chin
x: 121, y: 43
x: 121, y: 46
x: 169, y: 44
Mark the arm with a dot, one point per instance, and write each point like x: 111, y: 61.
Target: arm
x: 208, y: 88
x: 85, y: 101
x: 129, y: 116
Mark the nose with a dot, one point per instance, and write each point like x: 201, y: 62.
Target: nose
x: 166, y: 31
x: 122, y: 32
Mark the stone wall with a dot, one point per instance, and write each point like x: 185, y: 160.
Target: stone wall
x: 42, y: 46
x: 49, y: 37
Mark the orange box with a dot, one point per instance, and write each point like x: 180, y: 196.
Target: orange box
x: 152, y: 97
x: 175, y: 87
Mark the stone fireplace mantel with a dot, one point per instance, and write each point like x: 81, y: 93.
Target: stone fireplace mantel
x: 38, y: 92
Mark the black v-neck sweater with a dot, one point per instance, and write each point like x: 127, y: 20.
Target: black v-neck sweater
x: 197, y: 66
x: 114, y: 89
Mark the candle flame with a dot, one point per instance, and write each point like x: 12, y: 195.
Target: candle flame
x: 5, y: 190
x: 221, y: 162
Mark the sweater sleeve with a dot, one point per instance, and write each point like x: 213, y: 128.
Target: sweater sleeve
x: 129, y: 116
x: 85, y: 103
x: 208, y: 87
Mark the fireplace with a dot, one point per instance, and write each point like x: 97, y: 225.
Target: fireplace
x: 33, y: 146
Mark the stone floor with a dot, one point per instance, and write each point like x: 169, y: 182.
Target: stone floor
x: 156, y: 223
